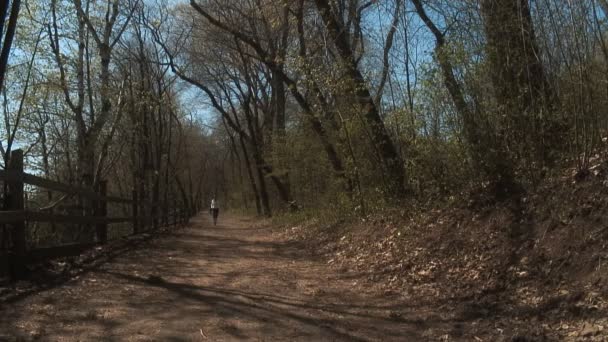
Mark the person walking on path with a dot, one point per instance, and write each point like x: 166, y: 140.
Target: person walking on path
x: 215, y: 210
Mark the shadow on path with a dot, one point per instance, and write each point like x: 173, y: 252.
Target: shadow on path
x: 222, y: 283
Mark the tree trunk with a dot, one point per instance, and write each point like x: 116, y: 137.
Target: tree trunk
x: 279, y: 101
x: 259, y: 161
x: 392, y: 163
x: 254, y: 187
x: 487, y: 152
x: 10, y: 34
x: 518, y: 77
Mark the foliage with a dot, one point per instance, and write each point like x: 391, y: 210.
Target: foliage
x: 311, y: 106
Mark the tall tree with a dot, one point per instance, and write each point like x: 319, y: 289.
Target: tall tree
x: 7, y: 41
x: 487, y: 151
x: 521, y: 89
x: 106, y: 39
x: 391, y: 161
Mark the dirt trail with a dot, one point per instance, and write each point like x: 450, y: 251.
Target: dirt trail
x: 236, y: 281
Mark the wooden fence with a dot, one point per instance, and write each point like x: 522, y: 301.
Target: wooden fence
x: 15, y: 215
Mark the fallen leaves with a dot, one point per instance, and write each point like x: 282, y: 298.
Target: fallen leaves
x: 439, y: 255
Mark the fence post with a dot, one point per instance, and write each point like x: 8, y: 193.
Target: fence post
x: 15, y: 202
x: 102, y: 211
x: 135, y: 209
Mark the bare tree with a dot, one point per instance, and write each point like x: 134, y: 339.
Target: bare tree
x: 11, y: 26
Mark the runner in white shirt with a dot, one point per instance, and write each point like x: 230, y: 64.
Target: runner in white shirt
x: 215, y: 210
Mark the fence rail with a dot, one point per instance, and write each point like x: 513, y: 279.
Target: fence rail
x: 36, y: 216
x: 16, y: 215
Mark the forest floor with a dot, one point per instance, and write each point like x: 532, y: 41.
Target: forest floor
x: 239, y: 280
x: 533, y: 268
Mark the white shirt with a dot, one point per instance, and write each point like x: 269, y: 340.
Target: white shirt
x: 214, y: 204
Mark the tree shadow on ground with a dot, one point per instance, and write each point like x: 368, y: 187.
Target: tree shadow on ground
x: 187, y: 278
x: 41, y: 277
x: 278, y: 311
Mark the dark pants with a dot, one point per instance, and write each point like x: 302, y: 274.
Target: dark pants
x: 215, y: 212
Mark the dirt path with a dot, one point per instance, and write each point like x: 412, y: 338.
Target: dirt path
x: 236, y: 281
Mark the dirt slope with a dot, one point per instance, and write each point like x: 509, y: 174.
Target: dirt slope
x: 236, y: 281
x: 533, y: 270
